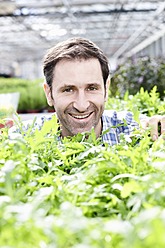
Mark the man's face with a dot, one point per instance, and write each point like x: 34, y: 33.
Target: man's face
x: 78, y: 96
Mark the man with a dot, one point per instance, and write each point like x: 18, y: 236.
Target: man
x: 77, y: 83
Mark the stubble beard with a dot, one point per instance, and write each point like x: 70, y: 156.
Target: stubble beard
x: 68, y: 125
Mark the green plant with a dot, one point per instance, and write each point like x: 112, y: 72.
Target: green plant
x: 32, y: 96
x: 136, y: 73
x: 143, y: 102
x: 79, y: 193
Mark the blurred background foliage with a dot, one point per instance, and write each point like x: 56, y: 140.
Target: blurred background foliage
x: 136, y: 73
x: 32, y: 96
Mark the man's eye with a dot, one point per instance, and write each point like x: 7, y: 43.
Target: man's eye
x: 68, y: 90
x: 92, y: 88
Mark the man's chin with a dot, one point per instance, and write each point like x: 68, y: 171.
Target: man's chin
x: 72, y: 128
x: 82, y: 130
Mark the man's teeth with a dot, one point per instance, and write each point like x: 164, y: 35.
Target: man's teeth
x: 80, y: 116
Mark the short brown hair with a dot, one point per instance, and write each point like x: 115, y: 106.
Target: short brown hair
x: 73, y: 48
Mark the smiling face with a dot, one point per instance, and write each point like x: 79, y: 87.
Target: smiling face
x: 78, y: 95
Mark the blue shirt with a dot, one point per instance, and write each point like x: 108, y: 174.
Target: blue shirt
x: 113, y: 124
x: 116, y: 123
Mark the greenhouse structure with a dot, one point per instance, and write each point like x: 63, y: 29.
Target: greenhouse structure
x: 122, y: 28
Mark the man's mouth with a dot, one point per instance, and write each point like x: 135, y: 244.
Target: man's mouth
x: 80, y: 116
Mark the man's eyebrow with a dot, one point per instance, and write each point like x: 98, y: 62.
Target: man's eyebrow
x: 94, y: 84
x: 65, y: 86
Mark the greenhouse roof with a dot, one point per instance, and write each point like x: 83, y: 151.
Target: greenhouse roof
x: 120, y: 28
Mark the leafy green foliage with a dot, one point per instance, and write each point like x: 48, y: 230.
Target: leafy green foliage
x: 79, y: 193
x: 144, y: 102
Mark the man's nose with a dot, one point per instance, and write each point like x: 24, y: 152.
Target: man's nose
x: 81, y: 102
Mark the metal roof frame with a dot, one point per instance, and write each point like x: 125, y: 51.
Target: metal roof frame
x: 120, y: 27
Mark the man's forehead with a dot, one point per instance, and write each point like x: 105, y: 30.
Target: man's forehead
x: 68, y: 72
x: 76, y: 60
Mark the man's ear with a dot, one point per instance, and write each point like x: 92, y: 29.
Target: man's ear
x: 107, y: 88
x: 48, y: 94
